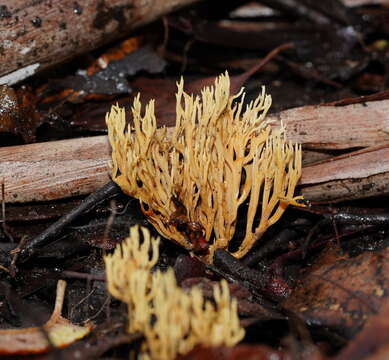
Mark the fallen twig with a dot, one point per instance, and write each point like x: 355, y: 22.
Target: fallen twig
x: 107, y: 191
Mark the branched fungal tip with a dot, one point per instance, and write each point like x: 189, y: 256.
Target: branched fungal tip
x: 219, y: 157
x: 172, y: 320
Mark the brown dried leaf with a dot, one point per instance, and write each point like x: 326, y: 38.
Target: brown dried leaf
x: 340, y: 292
x: 117, y: 52
x: 111, y: 80
x: 372, y: 343
x: 59, y: 330
x: 17, y: 113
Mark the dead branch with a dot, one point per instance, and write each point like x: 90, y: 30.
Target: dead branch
x: 37, y: 34
x: 337, y: 127
x: 358, y: 164
x: 54, y: 170
x: 358, y: 175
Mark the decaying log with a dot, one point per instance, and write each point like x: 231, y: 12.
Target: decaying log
x: 53, y: 170
x: 357, y: 175
x: 38, y: 34
x: 337, y: 127
x: 375, y: 160
x: 348, y: 189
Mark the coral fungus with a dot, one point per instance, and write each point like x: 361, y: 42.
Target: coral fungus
x: 218, y: 157
x: 172, y: 320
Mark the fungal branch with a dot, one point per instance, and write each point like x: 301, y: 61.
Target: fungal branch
x: 172, y: 320
x: 219, y: 157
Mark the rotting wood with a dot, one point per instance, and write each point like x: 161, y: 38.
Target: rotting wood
x: 354, y: 165
x: 37, y: 34
x: 337, y: 127
x: 348, y: 189
x: 54, y: 170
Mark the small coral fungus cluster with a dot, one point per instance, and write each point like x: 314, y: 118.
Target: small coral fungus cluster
x: 172, y: 320
x: 218, y: 157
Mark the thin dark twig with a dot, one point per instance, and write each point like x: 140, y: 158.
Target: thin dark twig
x: 83, y: 300
x: 341, y: 217
x: 106, y: 301
x: 110, y: 220
x: 108, y: 308
x: 89, y: 292
x: 270, y: 56
x: 336, y: 231
x: 85, y: 276
x: 107, y: 191
x: 310, y: 73
x: 246, y: 284
x: 187, y: 48
x: 279, y: 241
x: 277, y: 264
x: 166, y: 33
x: 122, y: 212
x: 3, y: 223
x: 16, y: 252
x: 307, y: 240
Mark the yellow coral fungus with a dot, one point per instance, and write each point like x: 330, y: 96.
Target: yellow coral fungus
x: 172, y: 320
x: 218, y: 157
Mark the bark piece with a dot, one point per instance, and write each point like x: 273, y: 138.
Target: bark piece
x: 337, y: 127
x: 356, y: 175
x: 358, y: 164
x: 348, y: 189
x: 37, y: 34
x: 54, y: 170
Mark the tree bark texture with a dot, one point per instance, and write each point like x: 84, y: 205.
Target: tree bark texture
x: 54, y: 170
x: 356, y: 175
x: 337, y: 127
x: 35, y: 34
